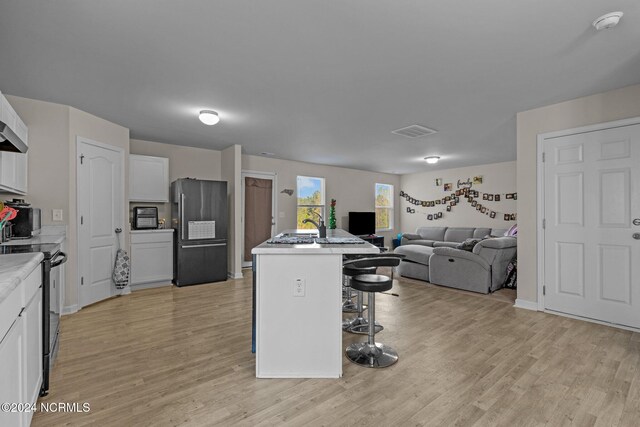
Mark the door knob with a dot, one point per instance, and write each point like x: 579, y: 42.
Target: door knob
x: 636, y: 221
x: 636, y: 236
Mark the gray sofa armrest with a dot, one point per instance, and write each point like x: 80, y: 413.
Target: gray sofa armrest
x: 498, y: 243
x: 411, y: 236
x: 462, y: 255
x: 445, y: 245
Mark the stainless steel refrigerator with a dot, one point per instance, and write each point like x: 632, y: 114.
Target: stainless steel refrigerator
x: 200, y: 218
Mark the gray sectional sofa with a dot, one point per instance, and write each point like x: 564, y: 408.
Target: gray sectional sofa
x: 431, y: 255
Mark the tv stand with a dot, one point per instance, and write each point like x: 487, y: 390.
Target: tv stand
x: 374, y: 240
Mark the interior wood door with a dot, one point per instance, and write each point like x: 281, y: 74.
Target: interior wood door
x: 100, y: 212
x: 259, y: 223
x: 592, y: 212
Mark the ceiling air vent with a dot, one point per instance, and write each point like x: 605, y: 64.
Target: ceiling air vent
x: 414, y: 131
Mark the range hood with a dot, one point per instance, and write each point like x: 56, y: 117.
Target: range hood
x: 9, y: 141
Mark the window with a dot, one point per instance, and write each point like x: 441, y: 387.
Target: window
x: 384, y: 207
x: 310, y: 200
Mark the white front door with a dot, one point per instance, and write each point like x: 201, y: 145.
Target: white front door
x: 100, y: 212
x: 592, y: 213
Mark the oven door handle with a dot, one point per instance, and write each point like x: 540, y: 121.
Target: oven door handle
x: 56, y: 262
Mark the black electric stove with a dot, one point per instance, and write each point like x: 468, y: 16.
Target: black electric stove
x: 53, y: 258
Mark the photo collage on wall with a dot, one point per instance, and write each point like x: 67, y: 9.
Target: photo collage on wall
x: 466, y: 193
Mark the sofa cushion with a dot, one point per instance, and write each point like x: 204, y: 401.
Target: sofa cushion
x: 481, y: 233
x: 432, y: 233
x: 458, y: 234
x: 445, y: 244
x: 468, y: 244
x: 415, y: 253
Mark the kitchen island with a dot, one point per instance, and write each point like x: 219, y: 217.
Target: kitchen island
x: 298, y: 304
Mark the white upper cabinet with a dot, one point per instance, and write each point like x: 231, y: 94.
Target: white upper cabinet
x: 148, y: 178
x: 13, y: 166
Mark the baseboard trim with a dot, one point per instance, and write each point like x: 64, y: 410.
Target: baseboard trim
x: 70, y: 309
x: 527, y: 305
x: 150, y: 285
x: 232, y: 275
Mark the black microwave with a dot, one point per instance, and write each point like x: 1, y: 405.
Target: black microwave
x: 145, y: 218
x: 27, y: 222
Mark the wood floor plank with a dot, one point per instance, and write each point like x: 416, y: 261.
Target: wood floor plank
x: 181, y: 356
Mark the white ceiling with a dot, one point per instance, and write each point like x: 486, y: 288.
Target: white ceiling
x: 319, y: 81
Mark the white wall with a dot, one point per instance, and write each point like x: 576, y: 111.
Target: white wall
x: 48, y: 161
x: 497, y: 178
x: 603, y: 107
x: 354, y: 190
x: 231, y: 164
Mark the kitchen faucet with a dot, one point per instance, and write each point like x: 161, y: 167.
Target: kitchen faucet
x: 322, y: 229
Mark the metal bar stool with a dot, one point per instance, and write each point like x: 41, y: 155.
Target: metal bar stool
x: 359, y: 321
x: 370, y: 353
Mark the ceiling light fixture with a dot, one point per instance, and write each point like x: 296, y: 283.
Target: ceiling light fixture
x: 209, y: 117
x: 432, y: 159
x: 608, y: 20
x: 266, y: 153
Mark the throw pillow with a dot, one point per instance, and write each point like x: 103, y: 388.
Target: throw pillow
x: 468, y: 244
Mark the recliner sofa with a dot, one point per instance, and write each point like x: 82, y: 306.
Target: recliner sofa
x: 431, y: 255
x: 447, y: 236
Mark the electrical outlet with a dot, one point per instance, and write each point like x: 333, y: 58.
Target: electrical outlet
x: 299, y: 288
x: 57, y: 214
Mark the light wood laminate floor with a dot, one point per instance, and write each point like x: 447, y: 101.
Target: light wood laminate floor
x: 182, y: 356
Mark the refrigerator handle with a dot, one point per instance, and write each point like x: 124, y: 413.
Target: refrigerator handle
x: 182, y: 197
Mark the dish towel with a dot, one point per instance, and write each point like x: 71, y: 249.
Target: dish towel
x: 121, y: 269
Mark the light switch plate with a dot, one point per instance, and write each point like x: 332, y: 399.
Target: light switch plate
x: 57, y: 214
x: 281, y: 214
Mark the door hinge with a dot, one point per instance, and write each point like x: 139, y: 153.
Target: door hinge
x: 81, y: 220
x: 544, y: 290
x: 544, y: 223
x: 543, y: 157
x: 81, y: 159
x: 82, y: 280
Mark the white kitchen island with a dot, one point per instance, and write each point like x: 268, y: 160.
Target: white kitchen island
x: 298, y: 303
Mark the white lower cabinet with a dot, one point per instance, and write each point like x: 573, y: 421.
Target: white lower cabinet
x: 12, y: 373
x: 21, y: 350
x: 32, y: 318
x: 151, y: 257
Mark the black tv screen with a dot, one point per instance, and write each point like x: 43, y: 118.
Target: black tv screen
x: 362, y: 223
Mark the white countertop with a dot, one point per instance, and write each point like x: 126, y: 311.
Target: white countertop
x: 154, y: 230
x: 14, y: 268
x: 315, y: 248
x: 39, y: 239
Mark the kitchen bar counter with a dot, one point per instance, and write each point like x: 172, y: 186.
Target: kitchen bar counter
x: 14, y: 268
x: 298, y: 304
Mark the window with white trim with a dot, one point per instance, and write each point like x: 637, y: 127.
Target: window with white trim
x: 384, y: 207
x: 310, y: 192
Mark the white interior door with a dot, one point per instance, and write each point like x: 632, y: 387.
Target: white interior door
x: 100, y: 212
x: 271, y: 213
x: 592, y: 212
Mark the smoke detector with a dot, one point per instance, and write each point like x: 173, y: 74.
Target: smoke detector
x: 609, y: 20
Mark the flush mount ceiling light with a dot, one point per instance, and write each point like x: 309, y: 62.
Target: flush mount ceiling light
x: 209, y: 117
x: 432, y: 159
x: 609, y: 20
x: 266, y: 153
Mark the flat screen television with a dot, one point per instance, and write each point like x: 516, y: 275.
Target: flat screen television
x: 362, y: 223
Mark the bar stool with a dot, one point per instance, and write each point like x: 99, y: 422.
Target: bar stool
x: 348, y: 325
x: 370, y: 353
